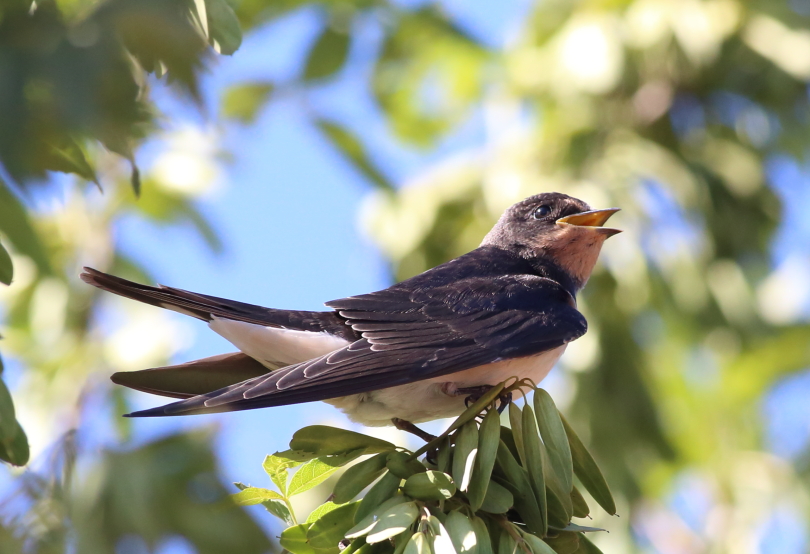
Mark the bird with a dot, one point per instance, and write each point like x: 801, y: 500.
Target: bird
x: 413, y: 352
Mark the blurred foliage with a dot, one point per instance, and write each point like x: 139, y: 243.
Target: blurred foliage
x: 672, y: 110
x: 135, y: 499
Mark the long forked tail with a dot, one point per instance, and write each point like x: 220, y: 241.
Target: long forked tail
x: 206, y: 307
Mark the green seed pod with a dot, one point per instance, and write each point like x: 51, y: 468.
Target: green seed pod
x: 464, y: 454
x: 482, y: 537
x: 430, y: 485
x: 489, y: 436
x: 537, y: 545
x: 382, y: 490
x: 400, y: 465
x: 395, y: 521
x: 365, y: 525
x: 498, y: 500
x: 462, y: 533
x: 358, y: 477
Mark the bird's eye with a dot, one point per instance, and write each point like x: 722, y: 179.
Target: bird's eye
x: 542, y: 212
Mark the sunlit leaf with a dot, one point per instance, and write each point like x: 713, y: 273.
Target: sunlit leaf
x: 329, y: 529
x: 310, y: 475
x: 320, y: 511
x: 294, y: 539
x: 254, y: 495
x: 276, y: 467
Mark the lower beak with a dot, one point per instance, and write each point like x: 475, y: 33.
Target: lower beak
x: 594, y: 219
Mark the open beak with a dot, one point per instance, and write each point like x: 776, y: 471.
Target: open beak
x: 594, y: 219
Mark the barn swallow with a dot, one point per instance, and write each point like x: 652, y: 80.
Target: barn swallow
x: 412, y: 351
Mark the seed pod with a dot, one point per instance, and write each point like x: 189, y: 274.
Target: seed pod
x: 517, y: 481
x: 581, y: 508
x: 555, y: 438
x: 534, y: 461
x: 516, y: 422
x: 394, y: 521
x: 418, y: 544
x: 588, y: 472
x: 537, y: 545
x: 482, y: 538
x: 367, y: 523
x: 401, y: 541
x: 400, y: 465
x: 489, y: 437
x: 498, y: 500
x: 358, y: 477
x: 441, y: 538
x: 564, y: 543
x: 506, y: 544
x: 462, y: 533
x: 382, y: 490
x: 430, y: 485
x: 443, y: 456
x: 464, y: 454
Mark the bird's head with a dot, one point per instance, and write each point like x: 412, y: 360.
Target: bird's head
x: 557, y: 227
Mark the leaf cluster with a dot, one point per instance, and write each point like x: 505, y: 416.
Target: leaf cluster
x: 480, y: 488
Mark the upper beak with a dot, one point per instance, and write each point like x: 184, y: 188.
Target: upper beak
x: 593, y: 218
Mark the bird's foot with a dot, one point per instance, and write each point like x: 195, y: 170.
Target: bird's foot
x: 409, y: 427
x: 474, y: 393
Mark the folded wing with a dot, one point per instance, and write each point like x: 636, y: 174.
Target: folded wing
x: 409, y: 334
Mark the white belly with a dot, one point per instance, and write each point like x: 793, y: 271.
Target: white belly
x: 427, y: 400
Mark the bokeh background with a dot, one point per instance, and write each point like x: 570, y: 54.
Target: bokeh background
x: 290, y: 152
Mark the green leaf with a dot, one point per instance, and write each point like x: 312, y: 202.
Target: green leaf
x: 243, y: 102
x: 323, y: 441
x: 358, y: 477
x: 402, y: 465
x: 6, y: 267
x: 367, y: 519
x: 254, y: 495
x: 555, y: 438
x: 380, y: 493
x: 588, y: 472
x: 331, y: 527
x: 15, y: 451
x: 327, y: 55
x: 8, y: 418
x: 279, y: 509
x: 310, y: 475
x: 351, y: 147
x: 224, y: 32
x: 321, y: 511
x: 69, y: 158
x: 294, y: 540
x: 276, y: 467
x: 15, y: 224
x: 537, y: 545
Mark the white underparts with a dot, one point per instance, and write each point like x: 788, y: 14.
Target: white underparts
x: 272, y: 344
x: 415, y: 402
